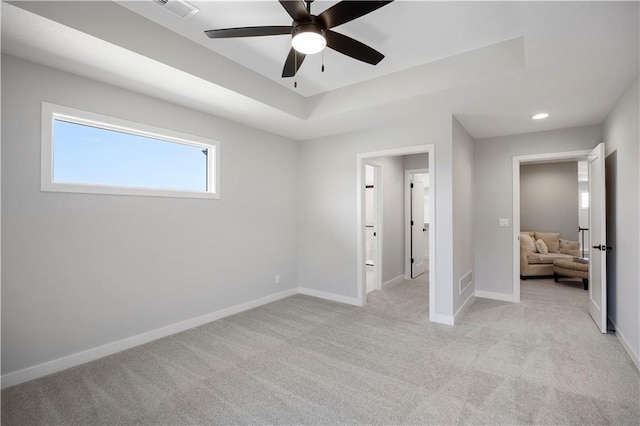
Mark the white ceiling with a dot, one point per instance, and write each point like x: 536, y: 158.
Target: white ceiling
x: 440, y: 27
x: 491, y: 64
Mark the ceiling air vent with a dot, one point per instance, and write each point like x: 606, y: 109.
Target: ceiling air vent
x: 178, y: 7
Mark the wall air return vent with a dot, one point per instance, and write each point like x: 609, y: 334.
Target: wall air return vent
x: 178, y: 7
x: 466, y: 281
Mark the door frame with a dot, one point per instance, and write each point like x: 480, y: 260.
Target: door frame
x: 360, y: 219
x: 377, y: 223
x: 551, y: 157
x: 407, y: 220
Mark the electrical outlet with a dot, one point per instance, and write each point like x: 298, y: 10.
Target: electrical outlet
x: 277, y: 279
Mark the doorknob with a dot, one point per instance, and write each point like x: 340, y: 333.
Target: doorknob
x: 602, y: 247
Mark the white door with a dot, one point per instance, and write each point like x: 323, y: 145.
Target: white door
x: 417, y: 227
x: 597, y: 231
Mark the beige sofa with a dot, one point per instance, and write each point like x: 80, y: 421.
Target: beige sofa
x: 538, y: 250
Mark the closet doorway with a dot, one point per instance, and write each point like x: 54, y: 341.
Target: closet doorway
x: 417, y: 208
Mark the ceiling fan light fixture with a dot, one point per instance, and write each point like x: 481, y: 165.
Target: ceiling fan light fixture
x: 308, y: 39
x: 312, y: 33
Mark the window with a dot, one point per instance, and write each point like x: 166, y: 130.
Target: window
x: 584, y: 200
x: 91, y: 153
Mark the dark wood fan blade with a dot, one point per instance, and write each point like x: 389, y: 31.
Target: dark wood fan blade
x: 346, y: 11
x: 295, y: 8
x: 248, y: 31
x: 353, y: 48
x: 293, y: 62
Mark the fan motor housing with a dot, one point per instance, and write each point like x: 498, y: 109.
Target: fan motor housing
x: 315, y: 25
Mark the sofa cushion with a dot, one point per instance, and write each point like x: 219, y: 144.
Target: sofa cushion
x: 569, y: 247
x: 551, y: 239
x: 539, y: 258
x: 542, y: 247
x: 526, y: 243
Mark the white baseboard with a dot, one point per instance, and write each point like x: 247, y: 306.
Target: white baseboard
x: 625, y: 344
x: 441, y: 319
x: 392, y: 282
x: 467, y: 303
x: 496, y: 296
x: 49, y: 367
x: 330, y: 296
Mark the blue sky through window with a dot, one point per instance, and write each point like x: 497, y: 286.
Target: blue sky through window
x: 86, y: 154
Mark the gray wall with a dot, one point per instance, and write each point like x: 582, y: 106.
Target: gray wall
x: 493, y: 177
x: 416, y: 161
x: 621, y: 137
x: 549, y: 198
x: 463, y: 209
x: 83, y: 270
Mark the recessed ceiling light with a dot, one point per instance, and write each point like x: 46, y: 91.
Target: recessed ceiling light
x: 540, y: 116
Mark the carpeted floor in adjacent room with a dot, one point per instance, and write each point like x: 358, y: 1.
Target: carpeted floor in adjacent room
x: 303, y: 360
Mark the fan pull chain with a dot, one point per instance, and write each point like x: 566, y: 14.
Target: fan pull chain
x: 323, y: 59
x: 295, y: 69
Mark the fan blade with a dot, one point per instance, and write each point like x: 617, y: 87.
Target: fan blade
x: 353, y: 48
x: 292, y: 64
x: 346, y: 11
x: 296, y: 9
x: 248, y: 32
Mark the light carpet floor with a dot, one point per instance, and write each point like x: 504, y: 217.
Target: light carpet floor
x: 303, y: 360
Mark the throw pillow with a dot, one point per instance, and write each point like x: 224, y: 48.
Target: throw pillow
x: 527, y: 243
x: 551, y: 239
x: 542, y: 247
x: 569, y: 247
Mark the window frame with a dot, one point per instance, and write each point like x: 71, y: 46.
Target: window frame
x: 52, y: 112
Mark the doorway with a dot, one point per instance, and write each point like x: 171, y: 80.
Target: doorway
x: 417, y: 194
x: 597, y: 231
x: 362, y: 160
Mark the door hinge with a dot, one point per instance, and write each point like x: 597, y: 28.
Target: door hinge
x: 411, y: 223
x: 412, y: 260
x: 411, y: 185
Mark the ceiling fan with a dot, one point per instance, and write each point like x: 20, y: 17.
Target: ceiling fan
x: 312, y: 33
